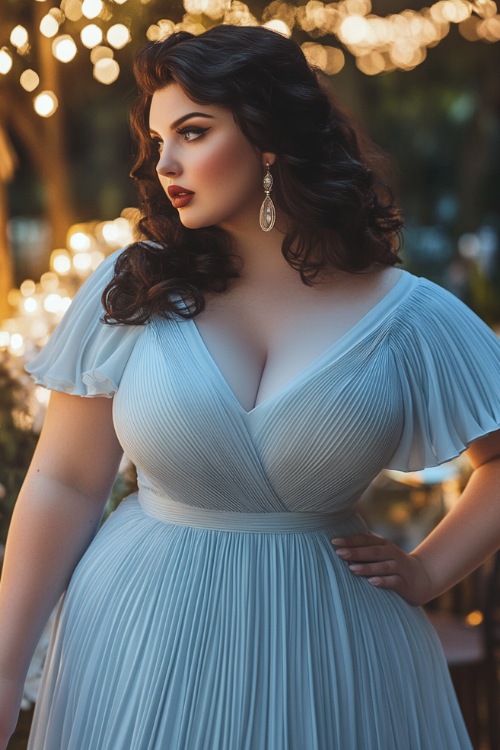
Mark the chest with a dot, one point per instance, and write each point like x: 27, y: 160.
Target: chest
x: 260, y: 340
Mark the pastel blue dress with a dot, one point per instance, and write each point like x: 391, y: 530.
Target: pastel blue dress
x: 211, y: 611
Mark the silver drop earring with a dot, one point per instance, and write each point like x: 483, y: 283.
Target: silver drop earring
x: 267, y: 215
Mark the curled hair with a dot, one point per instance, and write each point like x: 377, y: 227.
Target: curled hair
x: 342, y: 215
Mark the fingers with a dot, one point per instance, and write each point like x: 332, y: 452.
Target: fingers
x: 372, y: 557
x: 384, y: 568
x: 365, y: 554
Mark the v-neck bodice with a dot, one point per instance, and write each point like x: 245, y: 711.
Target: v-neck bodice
x: 211, y: 611
x: 409, y: 385
x: 367, y: 323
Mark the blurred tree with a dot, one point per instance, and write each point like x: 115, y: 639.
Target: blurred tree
x: 440, y: 120
x: 7, y: 167
x: 43, y: 139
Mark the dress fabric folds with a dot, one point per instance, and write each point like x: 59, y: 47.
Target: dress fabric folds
x: 211, y: 611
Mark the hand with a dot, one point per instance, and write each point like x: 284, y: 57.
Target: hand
x: 386, y: 566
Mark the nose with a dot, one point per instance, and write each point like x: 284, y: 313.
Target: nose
x: 168, y: 166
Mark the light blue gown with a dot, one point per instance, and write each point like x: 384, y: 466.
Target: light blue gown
x: 211, y: 611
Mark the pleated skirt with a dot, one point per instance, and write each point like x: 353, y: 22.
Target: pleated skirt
x: 173, y: 637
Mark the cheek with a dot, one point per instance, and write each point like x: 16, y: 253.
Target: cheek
x: 230, y: 162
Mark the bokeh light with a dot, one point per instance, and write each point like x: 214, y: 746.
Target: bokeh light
x: 29, y: 80
x: 49, y: 26
x: 91, y: 35
x: 64, y: 48
x: 106, y: 70
x: 5, y: 61
x: 92, y: 8
x: 45, y: 104
x: 19, y: 36
x: 118, y: 35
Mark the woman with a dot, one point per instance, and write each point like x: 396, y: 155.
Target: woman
x: 261, y: 377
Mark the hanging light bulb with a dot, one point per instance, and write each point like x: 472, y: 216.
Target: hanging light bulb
x: 92, y: 8
x: 72, y: 9
x: 118, y: 35
x: 79, y: 242
x: 46, y: 104
x: 5, y: 61
x: 18, y: 36
x: 60, y: 262
x: 106, y: 70
x: 49, y: 26
x: 91, y: 35
x: 29, y: 80
x: 64, y: 48
x: 99, y: 52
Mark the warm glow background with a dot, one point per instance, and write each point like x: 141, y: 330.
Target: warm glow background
x: 421, y: 80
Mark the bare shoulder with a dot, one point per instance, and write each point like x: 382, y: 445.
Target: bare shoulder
x: 384, y: 277
x: 372, y: 284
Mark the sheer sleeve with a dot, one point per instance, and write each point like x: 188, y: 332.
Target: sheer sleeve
x: 447, y: 364
x: 84, y: 356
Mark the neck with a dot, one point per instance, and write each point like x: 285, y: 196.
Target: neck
x: 260, y: 251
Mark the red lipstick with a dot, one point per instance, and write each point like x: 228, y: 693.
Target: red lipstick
x: 179, y: 196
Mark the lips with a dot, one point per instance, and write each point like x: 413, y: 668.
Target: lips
x: 179, y: 196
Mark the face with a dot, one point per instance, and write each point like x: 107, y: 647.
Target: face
x: 208, y: 169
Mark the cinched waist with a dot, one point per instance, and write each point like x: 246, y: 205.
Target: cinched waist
x: 164, y: 508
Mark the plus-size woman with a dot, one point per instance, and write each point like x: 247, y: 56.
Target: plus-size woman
x: 260, y: 358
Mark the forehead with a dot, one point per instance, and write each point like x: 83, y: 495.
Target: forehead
x: 172, y: 102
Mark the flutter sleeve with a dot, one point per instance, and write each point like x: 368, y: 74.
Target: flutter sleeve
x: 447, y: 365
x: 85, y: 356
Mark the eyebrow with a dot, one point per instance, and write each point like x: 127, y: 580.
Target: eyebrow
x: 183, y: 119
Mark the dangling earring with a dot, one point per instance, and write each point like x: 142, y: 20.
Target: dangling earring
x: 267, y: 215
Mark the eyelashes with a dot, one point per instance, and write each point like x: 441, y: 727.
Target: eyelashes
x: 193, y: 130
x: 188, y: 134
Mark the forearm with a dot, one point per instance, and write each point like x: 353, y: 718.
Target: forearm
x: 468, y: 535
x: 51, y: 527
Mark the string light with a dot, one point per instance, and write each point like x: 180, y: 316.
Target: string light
x: 19, y: 36
x: 64, y: 48
x: 118, y: 35
x: 60, y: 262
x: 45, y: 104
x: 38, y: 306
x: 29, y: 80
x: 49, y: 26
x: 72, y: 9
x: 280, y: 26
x: 91, y: 35
x: 5, y: 61
x: 79, y: 241
x: 99, y: 52
x: 377, y: 43
x: 106, y: 70
x: 92, y: 8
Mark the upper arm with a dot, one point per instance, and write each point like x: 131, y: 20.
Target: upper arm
x: 78, y: 446
x: 484, y: 449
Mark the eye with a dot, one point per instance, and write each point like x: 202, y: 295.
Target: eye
x: 191, y: 133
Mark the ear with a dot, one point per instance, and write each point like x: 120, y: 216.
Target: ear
x: 268, y: 158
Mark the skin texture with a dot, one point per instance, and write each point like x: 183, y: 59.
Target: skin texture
x: 466, y: 537
x: 208, y: 155
x: 262, y: 316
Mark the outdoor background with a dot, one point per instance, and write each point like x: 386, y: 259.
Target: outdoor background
x: 434, y: 108
x: 422, y: 81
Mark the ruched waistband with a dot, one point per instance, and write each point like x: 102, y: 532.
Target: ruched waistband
x: 164, y: 508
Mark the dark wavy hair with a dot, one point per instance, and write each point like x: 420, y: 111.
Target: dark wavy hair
x: 342, y: 215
